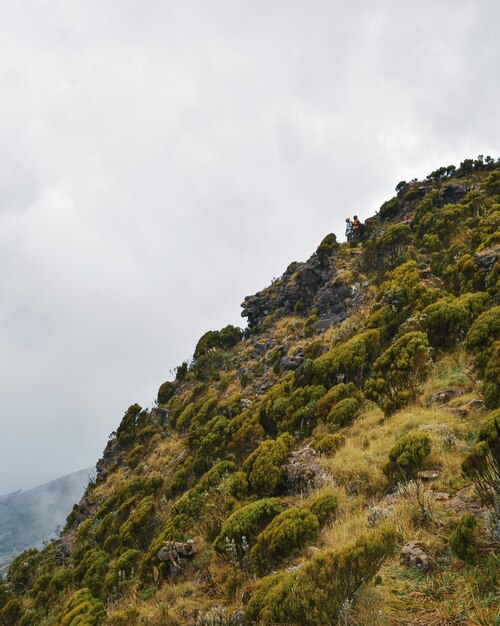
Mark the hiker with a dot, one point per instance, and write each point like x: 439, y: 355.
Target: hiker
x: 348, y: 228
x: 357, y: 228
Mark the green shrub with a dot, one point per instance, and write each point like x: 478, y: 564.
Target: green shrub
x: 328, y: 444
x: 327, y: 247
x: 446, y: 323
x: 23, y: 570
x: 82, y: 609
x: 299, y: 410
x: 125, y: 433
x: 348, y: 361
x: 325, y: 508
x: 11, y: 612
x: 333, y: 396
x: 304, y: 373
x: 463, y: 541
x: 289, y: 531
x: 91, y: 571
x: 397, y: 374
x: 313, y: 595
x: 244, y: 525
x: 389, y: 208
x: 482, y: 463
x: 343, y: 413
x: 263, y: 466
x: 136, y: 531
x: 407, y: 457
x: 166, y: 391
x: 390, y: 247
x: 135, y: 455
x: 482, y: 335
x: 223, y: 339
x: 491, y: 386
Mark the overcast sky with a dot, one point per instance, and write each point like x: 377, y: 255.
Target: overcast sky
x: 161, y: 160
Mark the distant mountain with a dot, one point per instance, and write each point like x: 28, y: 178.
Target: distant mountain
x: 28, y: 518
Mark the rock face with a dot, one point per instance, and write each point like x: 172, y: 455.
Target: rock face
x: 414, y: 554
x: 302, y: 471
x: 302, y: 286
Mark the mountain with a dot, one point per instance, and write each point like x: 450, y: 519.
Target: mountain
x: 335, y: 462
x: 28, y: 518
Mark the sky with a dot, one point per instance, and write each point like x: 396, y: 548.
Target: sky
x: 161, y: 160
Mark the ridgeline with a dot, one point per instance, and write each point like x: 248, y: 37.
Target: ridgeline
x: 336, y: 462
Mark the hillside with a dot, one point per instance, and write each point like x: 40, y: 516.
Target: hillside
x: 28, y: 518
x: 336, y: 462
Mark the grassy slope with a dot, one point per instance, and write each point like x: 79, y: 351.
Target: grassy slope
x: 455, y: 593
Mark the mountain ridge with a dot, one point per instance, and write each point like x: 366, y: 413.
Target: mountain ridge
x: 335, y: 462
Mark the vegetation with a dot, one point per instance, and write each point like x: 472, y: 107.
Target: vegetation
x: 297, y: 446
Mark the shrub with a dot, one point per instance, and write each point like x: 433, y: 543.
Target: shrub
x: 396, y: 374
x: 125, y: 433
x: 343, y: 413
x: 390, y: 208
x: 348, y: 361
x: 218, y: 340
x: 263, y: 466
x: 82, y: 609
x: 482, y: 463
x: 135, y: 455
x: 327, y: 247
x: 327, y: 444
x: 91, y: 571
x: 313, y: 594
x: 482, y: 334
x: 244, y: 525
x: 325, y: 508
x: 446, y: 323
x: 136, y: 531
x: 333, y: 396
x: 23, y: 570
x: 491, y: 387
x: 407, y: 457
x: 462, y: 539
x: 11, y: 612
x: 389, y: 247
x: 288, y: 531
x: 166, y: 391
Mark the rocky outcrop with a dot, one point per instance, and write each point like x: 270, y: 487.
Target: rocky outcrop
x: 486, y: 260
x: 302, y: 287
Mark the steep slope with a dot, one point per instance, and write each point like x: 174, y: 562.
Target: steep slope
x: 355, y: 419
x: 28, y: 518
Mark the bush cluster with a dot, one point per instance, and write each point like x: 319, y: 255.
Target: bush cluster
x: 289, y: 531
x: 398, y: 372
x: 244, y: 525
x: 313, y: 594
x: 263, y: 466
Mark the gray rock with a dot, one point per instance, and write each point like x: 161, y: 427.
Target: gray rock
x: 302, y: 472
x: 415, y: 554
x: 445, y: 395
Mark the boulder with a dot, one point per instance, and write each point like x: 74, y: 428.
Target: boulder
x: 415, y: 554
x: 302, y: 472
